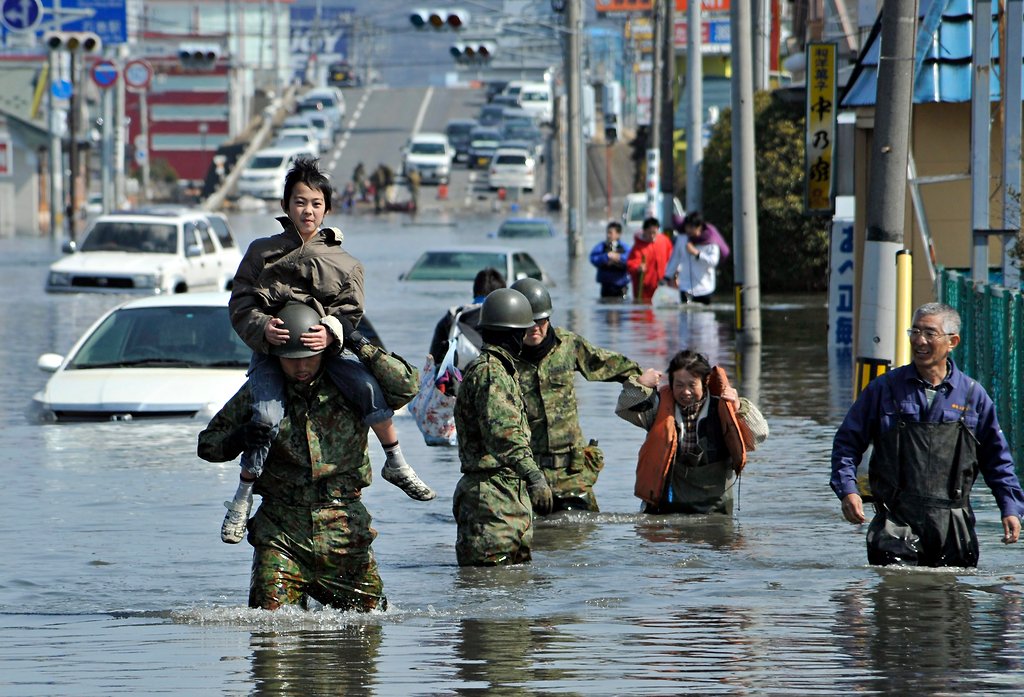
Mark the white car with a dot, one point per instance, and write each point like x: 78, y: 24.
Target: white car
x: 152, y: 251
x: 512, y: 168
x: 634, y: 211
x: 298, y: 137
x: 158, y: 357
x: 264, y: 176
x: 431, y: 155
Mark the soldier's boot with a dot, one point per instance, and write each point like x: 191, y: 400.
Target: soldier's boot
x: 232, y: 530
x: 401, y: 474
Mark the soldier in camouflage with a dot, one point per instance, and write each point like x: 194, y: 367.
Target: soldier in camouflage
x: 311, y: 534
x: 501, y: 484
x: 545, y: 368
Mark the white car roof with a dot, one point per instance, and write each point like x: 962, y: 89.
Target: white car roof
x: 196, y: 299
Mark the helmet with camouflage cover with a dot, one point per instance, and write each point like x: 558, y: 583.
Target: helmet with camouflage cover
x: 298, y: 318
x: 537, y: 294
x: 506, y: 308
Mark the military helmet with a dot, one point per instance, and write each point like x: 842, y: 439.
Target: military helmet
x: 298, y: 318
x: 537, y: 294
x: 506, y: 308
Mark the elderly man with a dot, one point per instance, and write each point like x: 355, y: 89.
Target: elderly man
x: 932, y: 428
x: 311, y: 535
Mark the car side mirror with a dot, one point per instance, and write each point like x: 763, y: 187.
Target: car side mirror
x: 49, y: 362
x: 194, y: 250
x: 69, y: 247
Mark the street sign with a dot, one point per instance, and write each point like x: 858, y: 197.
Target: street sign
x: 108, y: 19
x: 140, y: 156
x: 104, y: 73
x: 61, y: 89
x: 20, y: 15
x: 138, y: 74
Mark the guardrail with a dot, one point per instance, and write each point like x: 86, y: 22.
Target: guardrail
x: 991, y: 348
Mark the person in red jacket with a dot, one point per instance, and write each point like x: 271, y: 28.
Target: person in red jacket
x: 648, y: 259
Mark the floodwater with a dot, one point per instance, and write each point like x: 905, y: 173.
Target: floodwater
x: 115, y: 580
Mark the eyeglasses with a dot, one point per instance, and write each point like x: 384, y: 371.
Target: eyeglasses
x: 929, y: 335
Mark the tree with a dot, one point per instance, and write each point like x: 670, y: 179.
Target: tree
x: 793, y: 246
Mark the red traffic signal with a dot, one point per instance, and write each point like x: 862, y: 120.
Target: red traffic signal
x: 438, y: 19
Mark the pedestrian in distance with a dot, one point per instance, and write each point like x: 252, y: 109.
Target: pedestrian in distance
x: 311, y: 535
x: 305, y: 263
x: 609, y: 256
x: 933, y: 429
x: 698, y: 433
x: 501, y: 484
x: 550, y: 357
x: 359, y: 180
x: 648, y: 259
x: 695, y: 258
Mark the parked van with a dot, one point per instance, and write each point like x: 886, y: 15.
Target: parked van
x: 536, y: 99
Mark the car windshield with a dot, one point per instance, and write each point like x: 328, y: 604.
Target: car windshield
x: 427, y: 149
x: 220, y: 227
x: 453, y: 265
x: 519, y: 131
x: 510, y: 159
x: 292, y: 139
x: 110, y: 236
x: 185, y: 337
x: 459, y: 129
x: 266, y: 161
x: 524, y: 228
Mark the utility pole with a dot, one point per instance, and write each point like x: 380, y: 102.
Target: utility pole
x: 654, y: 164
x: 1011, y: 91
x: 74, y: 104
x: 887, y: 191
x: 120, y: 130
x: 56, y: 149
x: 695, y: 112
x: 668, y: 113
x: 744, y: 183
x: 575, y: 170
x: 762, y: 24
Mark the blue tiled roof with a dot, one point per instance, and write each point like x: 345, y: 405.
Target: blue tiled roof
x: 946, y: 72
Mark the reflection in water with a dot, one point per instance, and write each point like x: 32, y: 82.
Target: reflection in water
x: 715, y: 530
x: 564, y: 530
x: 340, y: 661
x: 698, y: 331
x: 927, y: 632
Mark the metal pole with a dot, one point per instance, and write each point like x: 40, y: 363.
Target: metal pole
x: 668, y: 114
x: 1011, y: 137
x: 56, y: 150
x: 575, y: 172
x: 695, y: 115
x: 107, y: 165
x: 762, y: 22
x: 144, y: 132
x: 981, y: 137
x: 73, y: 106
x: 744, y: 183
x: 887, y: 193
x: 119, y: 130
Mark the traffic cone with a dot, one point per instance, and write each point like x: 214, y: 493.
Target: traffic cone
x: 501, y: 194
x: 442, y: 191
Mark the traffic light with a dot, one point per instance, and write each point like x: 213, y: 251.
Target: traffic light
x: 439, y: 19
x: 472, y: 51
x: 198, y: 57
x: 75, y: 41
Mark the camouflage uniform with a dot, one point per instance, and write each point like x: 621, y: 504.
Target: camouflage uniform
x: 311, y: 534
x: 491, y: 505
x: 551, y: 408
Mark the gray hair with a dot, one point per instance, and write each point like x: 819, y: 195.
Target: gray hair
x: 949, y: 316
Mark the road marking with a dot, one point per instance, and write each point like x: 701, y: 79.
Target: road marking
x: 423, y: 110
x: 342, y: 141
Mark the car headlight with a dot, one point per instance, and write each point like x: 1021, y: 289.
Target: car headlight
x: 59, y: 278
x: 145, y: 280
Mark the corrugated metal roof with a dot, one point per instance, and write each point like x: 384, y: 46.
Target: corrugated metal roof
x: 946, y: 72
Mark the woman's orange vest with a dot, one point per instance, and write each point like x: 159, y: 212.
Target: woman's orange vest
x: 659, y: 449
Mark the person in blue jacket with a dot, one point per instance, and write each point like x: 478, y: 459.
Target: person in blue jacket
x: 609, y: 257
x: 933, y: 428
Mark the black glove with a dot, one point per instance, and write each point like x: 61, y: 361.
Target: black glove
x: 352, y: 339
x: 540, y: 492
x: 250, y: 435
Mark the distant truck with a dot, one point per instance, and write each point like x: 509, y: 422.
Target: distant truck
x: 342, y: 74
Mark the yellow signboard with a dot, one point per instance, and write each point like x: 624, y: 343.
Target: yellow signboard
x: 819, y: 156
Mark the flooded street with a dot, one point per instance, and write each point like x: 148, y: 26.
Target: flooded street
x: 116, y: 581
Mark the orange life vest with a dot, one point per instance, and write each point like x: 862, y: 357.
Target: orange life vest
x: 659, y: 449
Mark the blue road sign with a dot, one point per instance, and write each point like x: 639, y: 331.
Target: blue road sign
x: 61, y: 89
x: 108, y: 19
x: 104, y: 73
x: 20, y: 15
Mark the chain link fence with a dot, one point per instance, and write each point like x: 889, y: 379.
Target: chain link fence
x: 991, y: 348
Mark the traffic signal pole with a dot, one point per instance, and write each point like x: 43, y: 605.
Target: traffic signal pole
x: 56, y: 152
x: 575, y: 170
x: 668, y: 114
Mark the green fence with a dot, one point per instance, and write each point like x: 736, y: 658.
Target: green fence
x: 990, y: 349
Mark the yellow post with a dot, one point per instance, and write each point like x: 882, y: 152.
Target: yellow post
x: 904, y: 293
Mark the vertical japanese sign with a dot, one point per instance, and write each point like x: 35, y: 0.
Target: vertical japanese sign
x: 821, y: 128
